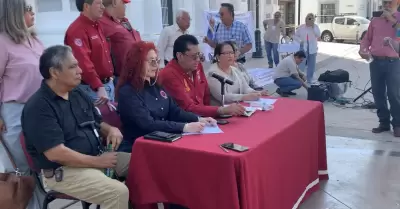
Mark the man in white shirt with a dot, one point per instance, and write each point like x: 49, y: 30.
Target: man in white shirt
x: 169, y: 34
x: 287, y: 75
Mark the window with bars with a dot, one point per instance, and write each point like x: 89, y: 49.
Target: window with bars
x: 167, y: 13
x: 327, y: 13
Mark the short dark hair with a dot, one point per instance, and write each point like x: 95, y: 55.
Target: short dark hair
x: 80, y: 3
x: 53, y: 57
x: 230, y: 8
x: 218, y: 49
x: 182, y: 42
x: 300, y: 54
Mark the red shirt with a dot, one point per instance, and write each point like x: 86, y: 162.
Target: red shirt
x: 120, y: 35
x: 191, y: 94
x: 91, y: 49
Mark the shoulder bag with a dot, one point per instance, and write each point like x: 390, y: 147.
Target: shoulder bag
x: 16, y: 190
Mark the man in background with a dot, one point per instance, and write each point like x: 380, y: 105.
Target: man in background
x: 170, y: 33
x: 118, y: 31
x: 89, y: 45
x: 287, y: 75
x: 384, y: 68
x: 273, y: 30
x: 231, y: 30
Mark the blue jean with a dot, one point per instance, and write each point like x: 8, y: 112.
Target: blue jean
x: 11, y: 115
x: 92, y: 94
x: 385, y: 83
x: 311, y: 64
x: 287, y: 84
x: 272, y: 50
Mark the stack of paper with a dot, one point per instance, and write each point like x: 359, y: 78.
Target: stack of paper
x: 208, y: 130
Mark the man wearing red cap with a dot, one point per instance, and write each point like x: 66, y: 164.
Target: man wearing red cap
x: 118, y: 32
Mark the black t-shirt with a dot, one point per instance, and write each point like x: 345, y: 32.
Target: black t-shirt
x: 48, y: 120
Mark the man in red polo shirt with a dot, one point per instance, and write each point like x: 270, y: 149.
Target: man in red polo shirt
x: 89, y: 45
x: 118, y: 32
x: 184, y: 79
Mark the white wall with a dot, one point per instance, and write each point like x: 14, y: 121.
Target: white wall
x: 145, y: 16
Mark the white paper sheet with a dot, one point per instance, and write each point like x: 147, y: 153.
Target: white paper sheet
x: 261, y: 102
x: 208, y: 130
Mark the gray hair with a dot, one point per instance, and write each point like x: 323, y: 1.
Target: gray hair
x: 53, y: 57
x: 180, y: 13
x: 12, y: 20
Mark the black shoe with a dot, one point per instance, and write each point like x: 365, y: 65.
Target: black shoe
x: 270, y: 66
x: 291, y: 93
x: 282, y: 94
x: 381, y: 128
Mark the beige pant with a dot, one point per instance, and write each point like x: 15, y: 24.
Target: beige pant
x: 93, y: 186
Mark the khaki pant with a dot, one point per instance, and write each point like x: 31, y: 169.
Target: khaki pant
x: 93, y: 186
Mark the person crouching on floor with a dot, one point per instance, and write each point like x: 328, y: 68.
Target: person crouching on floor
x: 287, y: 75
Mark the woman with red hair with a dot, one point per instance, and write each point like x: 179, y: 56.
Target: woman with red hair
x: 144, y: 106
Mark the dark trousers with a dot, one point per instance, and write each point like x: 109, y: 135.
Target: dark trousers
x: 287, y: 84
x: 385, y: 83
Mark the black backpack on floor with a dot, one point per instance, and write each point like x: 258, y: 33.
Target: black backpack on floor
x: 336, y: 76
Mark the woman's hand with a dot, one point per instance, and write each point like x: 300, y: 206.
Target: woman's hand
x: 2, y: 126
x: 251, y: 96
x: 195, y: 127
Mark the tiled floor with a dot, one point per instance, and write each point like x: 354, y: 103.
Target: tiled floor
x: 364, y: 174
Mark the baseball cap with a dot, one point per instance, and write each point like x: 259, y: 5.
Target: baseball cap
x: 126, y: 1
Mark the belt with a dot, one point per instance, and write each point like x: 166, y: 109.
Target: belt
x: 48, y: 173
x: 384, y: 58
x: 103, y: 81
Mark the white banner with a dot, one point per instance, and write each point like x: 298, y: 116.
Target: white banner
x: 246, y: 18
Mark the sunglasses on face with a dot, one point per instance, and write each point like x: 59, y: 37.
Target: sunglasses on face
x: 154, y: 62
x: 28, y: 8
x: 195, y: 56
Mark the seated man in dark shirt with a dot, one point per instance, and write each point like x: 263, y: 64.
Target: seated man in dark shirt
x: 62, y: 128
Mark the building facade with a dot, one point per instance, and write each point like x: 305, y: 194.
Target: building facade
x: 327, y: 9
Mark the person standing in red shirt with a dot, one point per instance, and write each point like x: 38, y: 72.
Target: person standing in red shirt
x: 118, y: 32
x: 89, y: 45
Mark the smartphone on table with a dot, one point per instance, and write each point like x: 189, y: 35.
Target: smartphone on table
x: 234, y: 147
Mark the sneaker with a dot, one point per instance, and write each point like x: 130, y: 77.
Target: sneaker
x: 282, y: 94
x: 270, y: 66
x: 380, y: 129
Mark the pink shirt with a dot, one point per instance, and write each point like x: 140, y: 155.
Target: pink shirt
x: 378, y: 29
x: 19, y: 69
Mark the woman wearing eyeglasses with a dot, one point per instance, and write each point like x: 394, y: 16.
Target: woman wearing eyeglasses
x: 20, y: 51
x: 308, y: 35
x: 224, y: 59
x: 143, y: 105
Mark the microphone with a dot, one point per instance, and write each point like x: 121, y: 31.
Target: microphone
x: 221, y: 79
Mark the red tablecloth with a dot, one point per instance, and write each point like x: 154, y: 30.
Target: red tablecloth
x: 286, y: 161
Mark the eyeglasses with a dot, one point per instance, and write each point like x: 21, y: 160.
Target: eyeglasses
x: 228, y: 53
x: 154, y: 62
x: 28, y: 8
x: 196, y: 56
